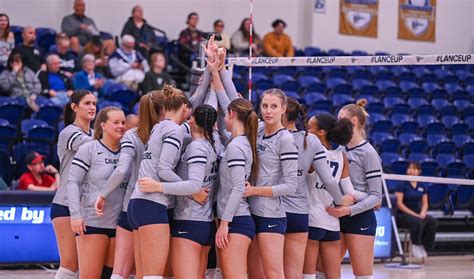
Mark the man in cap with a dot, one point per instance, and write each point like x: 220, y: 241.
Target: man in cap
x: 38, y: 177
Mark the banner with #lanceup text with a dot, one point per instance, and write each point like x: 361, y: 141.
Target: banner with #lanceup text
x: 417, y: 20
x: 359, y: 17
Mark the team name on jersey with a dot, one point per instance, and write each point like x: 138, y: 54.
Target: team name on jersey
x: 109, y: 161
x: 261, y: 147
x: 300, y: 172
x: 147, y: 156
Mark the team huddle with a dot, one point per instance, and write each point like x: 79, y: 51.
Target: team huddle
x: 205, y: 188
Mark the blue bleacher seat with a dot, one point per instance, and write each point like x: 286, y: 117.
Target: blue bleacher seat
x: 383, y: 84
x: 461, y: 102
x: 312, y: 97
x: 382, y: 73
x: 7, y: 136
x: 374, y: 117
x: 460, y: 133
x: 257, y: 77
x: 400, y: 166
x: 399, y: 70
x: 464, y: 198
x: 452, y: 87
x: 362, y: 74
x: 406, y: 85
x: 409, y: 127
x: 418, y: 145
x: 456, y: 169
x: 13, y: 112
x: 369, y: 90
x: 336, y: 52
x: 377, y: 138
x: 429, y: 167
x: 317, y: 87
x: 279, y: 79
x: 435, y: 128
x: 290, y: 86
x: 445, y: 147
x: 263, y: 85
x: 306, y: 81
x: 388, y: 158
x: 17, y: 30
x: 429, y: 86
x: 340, y: 100
x: 323, y: 106
x: 420, y: 71
x: 359, y: 53
x: 337, y: 73
x: 27, y: 124
x: 333, y: 82
x: 407, y: 137
x: 450, y: 120
x: 358, y: 83
x: 45, y: 132
x: 391, y: 101
x: 312, y: 51
x: 439, y: 103
x: 391, y: 145
x: 342, y: 89
x: 444, y: 159
x: 468, y: 160
x: 376, y: 108
x: 425, y: 119
x: 6, y: 169
x: 45, y: 38
x: 416, y: 102
x: 438, y: 195
x: 50, y: 113
x: 399, y: 118
x: 417, y: 157
x: 293, y: 94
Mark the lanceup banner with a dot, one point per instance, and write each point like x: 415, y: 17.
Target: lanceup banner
x: 417, y: 20
x: 358, y: 17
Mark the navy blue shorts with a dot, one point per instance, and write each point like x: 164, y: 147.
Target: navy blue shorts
x: 269, y: 225
x: 170, y: 216
x: 58, y: 210
x: 123, y: 222
x: 243, y: 225
x: 94, y: 230
x: 318, y: 234
x: 200, y: 232
x: 143, y: 212
x: 297, y: 223
x: 363, y: 223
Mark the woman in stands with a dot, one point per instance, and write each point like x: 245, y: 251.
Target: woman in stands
x: 358, y: 223
x: 193, y: 228
x: 78, y: 115
x: 324, y: 235
x: 133, y: 145
x: 7, y: 39
x: 277, y: 176
x: 412, y: 203
x: 311, y: 154
x: 91, y: 167
x: 148, y: 211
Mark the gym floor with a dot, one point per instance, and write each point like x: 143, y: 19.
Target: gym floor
x: 451, y: 267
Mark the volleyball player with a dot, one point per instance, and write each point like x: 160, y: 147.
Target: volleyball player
x: 193, y: 229
x: 324, y: 236
x: 239, y: 164
x: 78, y: 114
x: 277, y: 176
x: 358, y: 223
x: 148, y: 211
x: 133, y: 143
x: 91, y: 167
x: 310, y: 155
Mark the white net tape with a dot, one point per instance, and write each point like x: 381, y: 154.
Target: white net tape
x: 382, y: 60
x: 429, y: 179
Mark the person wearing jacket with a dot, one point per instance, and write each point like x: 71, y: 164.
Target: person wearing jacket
x: 55, y: 85
x: 138, y: 28
x: 87, y: 78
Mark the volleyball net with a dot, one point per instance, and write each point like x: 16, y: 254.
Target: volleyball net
x: 420, y: 102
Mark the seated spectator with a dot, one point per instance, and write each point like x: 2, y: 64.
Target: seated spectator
x: 127, y: 65
x: 32, y: 56
x: 20, y: 81
x: 88, y: 78
x: 7, y: 39
x: 66, y: 54
x: 157, y: 77
x: 54, y: 83
x: 81, y: 28
x: 190, y: 40
x: 38, y: 177
x: 225, y: 39
x: 277, y: 43
x: 131, y: 121
x: 241, y: 40
x: 143, y: 33
x: 412, y: 203
x: 96, y: 48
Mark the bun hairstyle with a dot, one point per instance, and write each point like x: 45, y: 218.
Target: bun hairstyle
x: 149, y: 110
x: 69, y: 115
x: 246, y: 115
x: 173, y: 98
x: 205, y: 117
x: 295, y: 109
x: 102, y: 117
x: 337, y: 131
x: 358, y: 110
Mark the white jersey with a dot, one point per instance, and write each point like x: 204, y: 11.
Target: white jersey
x: 319, y: 198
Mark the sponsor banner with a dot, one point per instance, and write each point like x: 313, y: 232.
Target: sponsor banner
x: 417, y: 20
x: 320, y: 6
x: 358, y: 17
x: 382, y: 60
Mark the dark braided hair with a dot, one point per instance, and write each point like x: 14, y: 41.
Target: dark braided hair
x: 338, y: 131
x: 205, y: 117
x: 295, y: 109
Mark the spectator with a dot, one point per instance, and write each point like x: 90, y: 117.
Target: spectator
x: 38, y: 177
x: 20, y: 81
x: 277, y: 43
x: 219, y: 29
x: 131, y: 121
x: 96, y: 48
x: 190, y: 40
x: 67, y: 56
x: 87, y: 78
x: 143, y: 33
x: 81, y: 28
x: 32, y: 56
x: 54, y: 84
x: 412, y: 203
x: 7, y: 39
x: 157, y: 77
x: 241, y: 40
x: 127, y: 65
